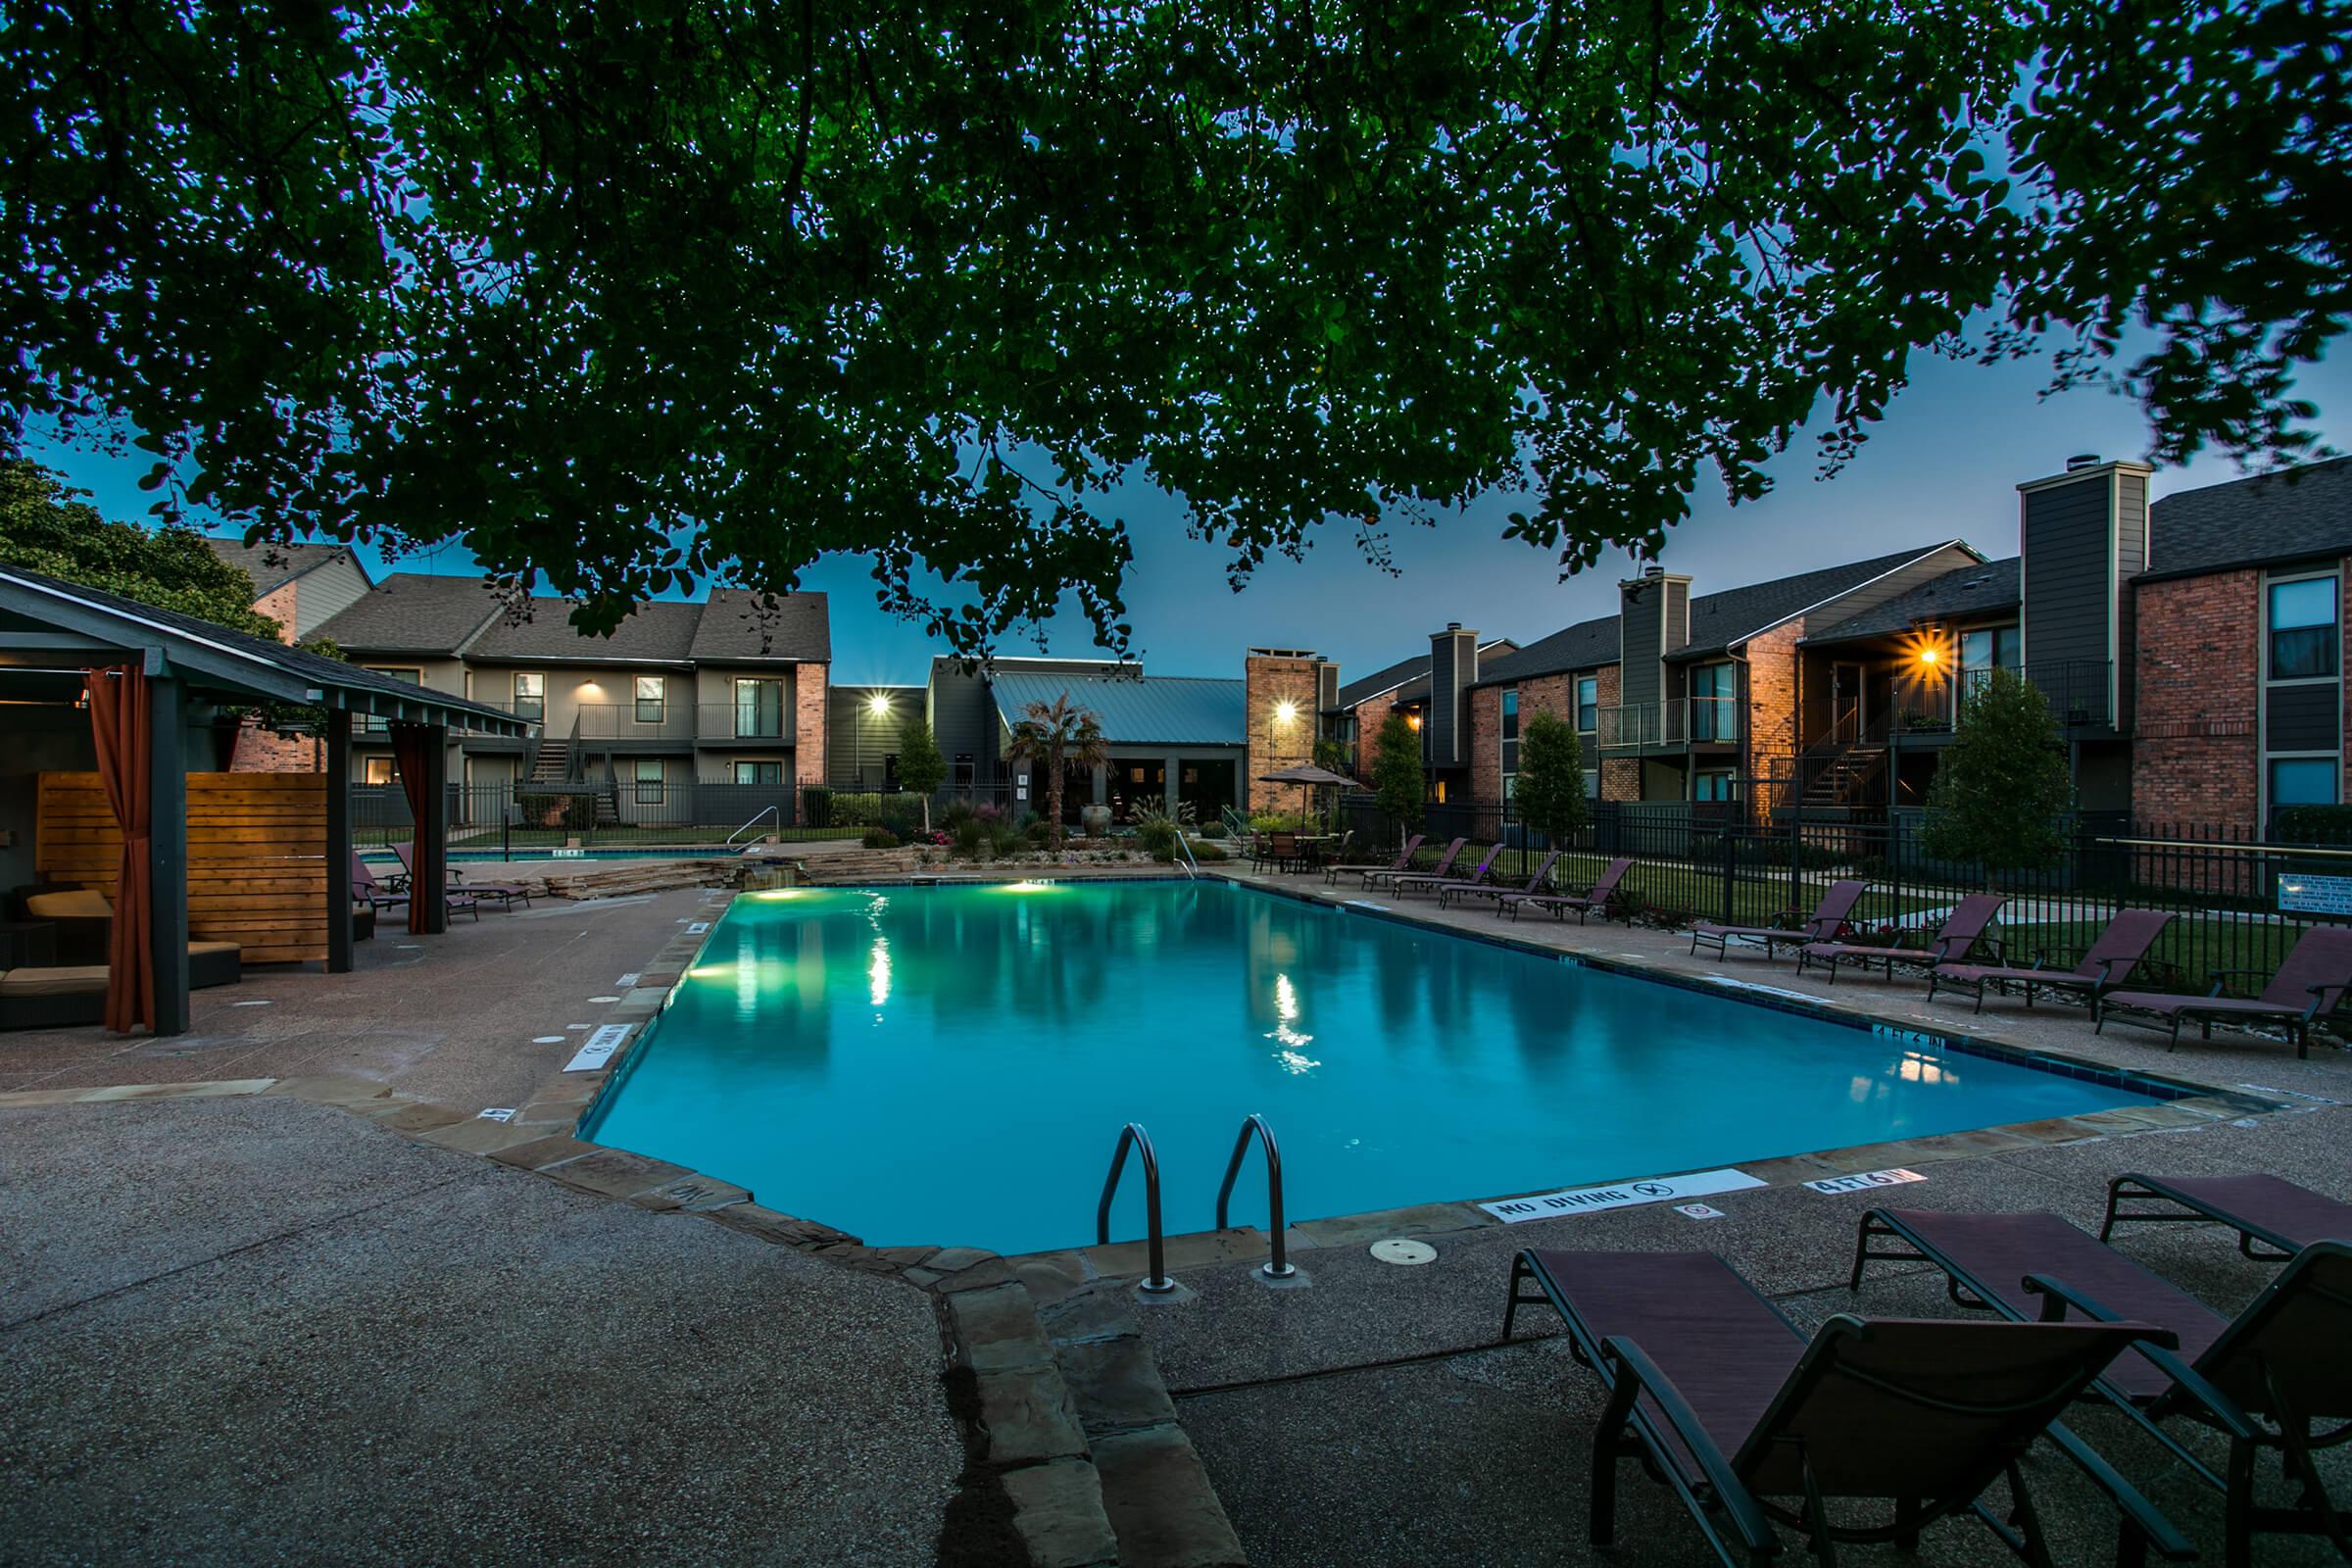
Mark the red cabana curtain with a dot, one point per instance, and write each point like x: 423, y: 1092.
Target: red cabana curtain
x: 119, y: 722
x: 412, y: 758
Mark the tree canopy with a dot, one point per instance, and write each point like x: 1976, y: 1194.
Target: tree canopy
x: 631, y: 296
x: 47, y: 527
x: 1550, y: 794
x: 1398, y: 785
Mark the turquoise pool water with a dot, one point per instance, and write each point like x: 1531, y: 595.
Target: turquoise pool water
x: 952, y: 1064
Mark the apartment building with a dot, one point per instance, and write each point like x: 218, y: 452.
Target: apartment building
x: 730, y: 691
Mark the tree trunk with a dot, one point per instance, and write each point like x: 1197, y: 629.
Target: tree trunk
x: 1053, y: 799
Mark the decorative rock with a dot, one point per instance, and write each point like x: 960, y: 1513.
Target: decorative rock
x: 1116, y: 1383
x: 997, y: 1329
x: 614, y: 1172
x: 1029, y: 1418
x: 1160, y: 1504
x: 1057, y: 1508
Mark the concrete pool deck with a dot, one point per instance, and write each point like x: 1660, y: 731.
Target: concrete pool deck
x: 1366, y: 1417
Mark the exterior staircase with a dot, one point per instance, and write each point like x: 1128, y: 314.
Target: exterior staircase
x: 1844, y: 777
x: 551, y: 765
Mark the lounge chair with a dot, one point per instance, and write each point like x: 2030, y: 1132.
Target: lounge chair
x: 1495, y: 890
x: 1444, y: 870
x: 1431, y: 881
x: 2110, y: 962
x: 1592, y: 900
x: 1403, y: 862
x: 2260, y: 1379
x: 505, y: 893
x: 1827, y: 917
x: 365, y: 887
x: 2306, y: 987
x: 1720, y: 1395
x: 2267, y: 1209
x: 1960, y: 930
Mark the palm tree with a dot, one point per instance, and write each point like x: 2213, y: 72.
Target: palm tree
x: 1057, y: 735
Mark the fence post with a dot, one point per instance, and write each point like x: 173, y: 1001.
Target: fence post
x: 1796, y: 853
x: 1731, y: 868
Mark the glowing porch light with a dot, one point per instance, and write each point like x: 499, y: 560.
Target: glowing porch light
x: 879, y: 704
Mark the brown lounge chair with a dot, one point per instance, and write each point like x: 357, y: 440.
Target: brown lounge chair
x: 1837, y: 903
x: 505, y: 893
x: 2306, y: 987
x: 1719, y: 1394
x: 1431, y: 881
x: 1495, y: 890
x: 2260, y: 1379
x: 1403, y: 862
x: 1960, y: 930
x: 1592, y: 900
x: 365, y: 888
x: 1443, y: 870
x: 2108, y: 965
x: 2269, y: 1209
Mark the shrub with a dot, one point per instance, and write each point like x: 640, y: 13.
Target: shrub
x: 966, y: 835
x: 1209, y: 854
x: 1003, y: 835
x: 546, y: 809
x: 1213, y: 828
x: 1158, y: 838
x: 872, y: 808
x: 816, y: 806
x: 2314, y: 824
x: 880, y: 838
x: 956, y: 812
x: 1035, y: 830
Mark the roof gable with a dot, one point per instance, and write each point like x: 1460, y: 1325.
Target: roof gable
x: 1979, y: 589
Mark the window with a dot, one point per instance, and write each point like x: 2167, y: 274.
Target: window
x: 2302, y: 781
x: 1510, y: 786
x: 2302, y: 629
x: 649, y: 781
x: 1510, y: 714
x: 1592, y: 783
x: 653, y: 698
x: 1991, y: 648
x: 530, y: 695
x: 963, y: 771
x: 1714, y: 713
x: 753, y: 772
x: 759, y: 710
x: 1713, y: 787
x: 1588, y: 704
x: 376, y: 770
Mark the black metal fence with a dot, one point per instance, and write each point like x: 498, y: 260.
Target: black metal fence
x: 2238, y: 902
x: 522, y: 819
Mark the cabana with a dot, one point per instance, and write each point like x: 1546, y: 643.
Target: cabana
x: 110, y: 708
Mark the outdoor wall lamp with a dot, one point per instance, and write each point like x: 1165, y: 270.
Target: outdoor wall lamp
x: 879, y: 702
x: 1285, y: 711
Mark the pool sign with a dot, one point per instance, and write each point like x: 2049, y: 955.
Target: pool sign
x: 1864, y: 1181
x: 598, y: 1047
x: 1621, y: 1195
x: 2315, y: 895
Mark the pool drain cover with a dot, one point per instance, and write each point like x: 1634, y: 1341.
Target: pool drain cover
x: 1398, y: 1250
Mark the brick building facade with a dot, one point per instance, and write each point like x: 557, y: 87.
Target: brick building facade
x: 2196, y: 744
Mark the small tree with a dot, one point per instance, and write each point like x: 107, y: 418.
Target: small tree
x: 921, y: 768
x: 1057, y: 734
x: 1551, y: 792
x: 2001, y: 793
x: 1398, y: 785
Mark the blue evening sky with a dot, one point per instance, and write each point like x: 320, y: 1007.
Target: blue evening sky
x: 1943, y: 464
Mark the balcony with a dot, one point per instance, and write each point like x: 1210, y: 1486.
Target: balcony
x: 631, y: 721
x: 2077, y: 690
x: 368, y: 725
x: 744, y: 724
x: 1676, y: 721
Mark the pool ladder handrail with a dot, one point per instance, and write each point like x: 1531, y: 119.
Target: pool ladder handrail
x: 1155, y: 1281
x: 1192, y: 867
x: 1277, y: 1267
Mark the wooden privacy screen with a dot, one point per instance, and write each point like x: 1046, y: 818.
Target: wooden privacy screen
x: 257, y: 856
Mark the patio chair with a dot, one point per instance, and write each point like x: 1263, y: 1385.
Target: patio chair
x: 1823, y: 925
x: 1403, y: 862
x: 505, y: 893
x: 1717, y: 1393
x: 1282, y: 851
x: 1960, y: 930
x: 2260, y: 1379
x: 2119, y: 951
x: 2267, y: 1209
x: 1431, y: 881
x: 1442, y: 870
x: 1594, y: 900
x: 2306, y: 987
x: 366, y: 887
x: 1495, y: 890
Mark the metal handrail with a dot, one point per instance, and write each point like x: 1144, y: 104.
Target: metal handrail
x: 1192, y: 867
x: 1155, y: 1281
x: 764, y: 810
x: 1278, y: 1267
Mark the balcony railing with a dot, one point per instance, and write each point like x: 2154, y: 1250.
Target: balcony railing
x: 1673, y: 723
x: 370, y: 724
x: 626, y: 722
x: 744, y: 721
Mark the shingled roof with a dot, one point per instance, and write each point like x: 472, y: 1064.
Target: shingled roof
x: 1584, y: 646
x: 2300, y: 513
x: 414, y: 612
x: 1409, y: 677
x: 1975, y: 590
x: 272, y: 566
x: 661, y: 632
x: 1719, y: 621
x: 736, y: 628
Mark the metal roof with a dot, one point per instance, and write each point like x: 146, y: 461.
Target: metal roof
x: 2299, y: 514
x: 1136, y: 710
x: 90, y: 621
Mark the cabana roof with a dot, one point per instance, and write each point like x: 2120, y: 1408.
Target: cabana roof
x: 45, y: 620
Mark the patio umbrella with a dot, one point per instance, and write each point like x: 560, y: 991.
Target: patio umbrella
x: 1306, y: 775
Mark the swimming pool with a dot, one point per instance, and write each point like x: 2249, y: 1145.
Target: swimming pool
x: 952, y: 1064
